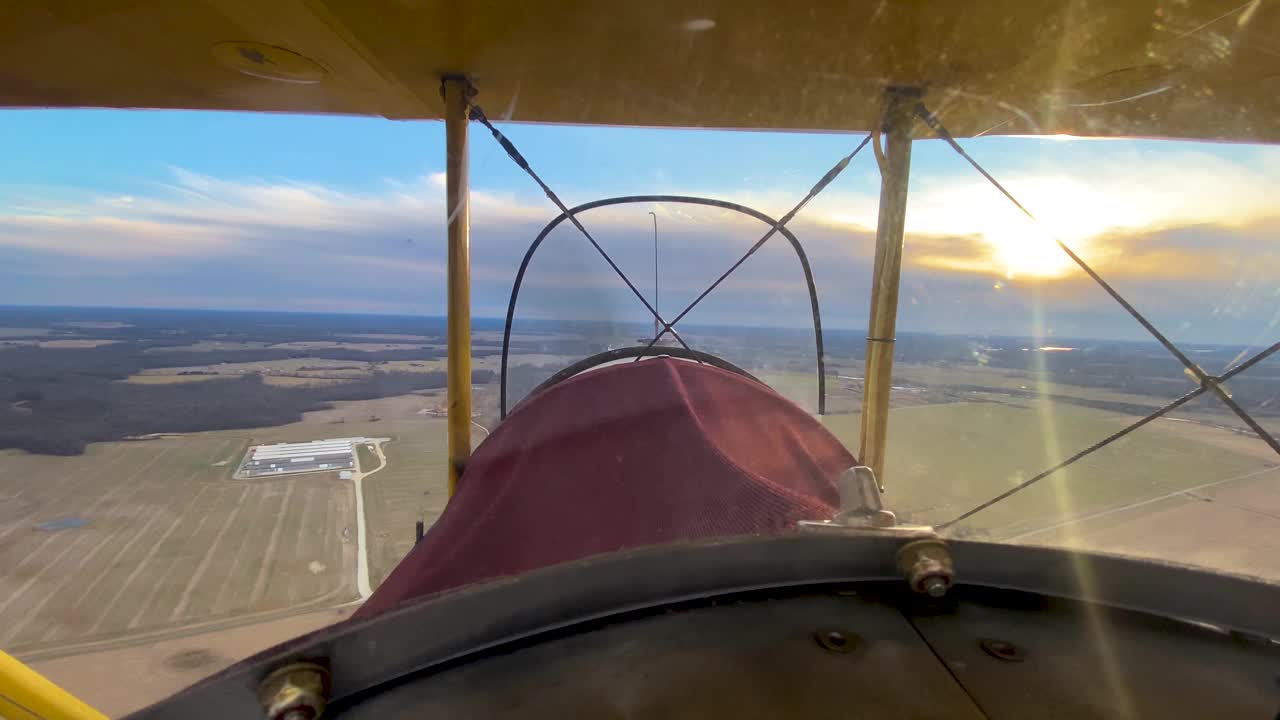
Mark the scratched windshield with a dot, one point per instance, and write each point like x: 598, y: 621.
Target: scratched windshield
x: 223, y: 355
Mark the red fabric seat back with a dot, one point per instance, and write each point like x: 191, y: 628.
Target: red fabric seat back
x: 624, y: 456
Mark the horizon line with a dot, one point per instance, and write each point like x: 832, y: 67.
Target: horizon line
x: 638, y: 323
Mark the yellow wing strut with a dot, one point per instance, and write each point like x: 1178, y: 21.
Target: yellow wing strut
x: 895, y: 170
x: 458, y: 209
x: 27, y: 695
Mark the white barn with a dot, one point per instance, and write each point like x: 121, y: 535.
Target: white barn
x: 301, y: 457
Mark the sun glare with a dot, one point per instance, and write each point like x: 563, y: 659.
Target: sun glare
x: 1014, y: 245
x: 1022, y: 253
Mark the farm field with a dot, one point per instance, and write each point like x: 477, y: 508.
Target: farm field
x: 144, y: 672
x: 18, y: 332
x: 329, y: 370
x: 366, y: 458
x: 169, y: 539
x: 944, y: 459
x: 166, y: 509
x: 801, y: 388
x: 158, y: 509
x: 369, y: 347
x: 135, y: 536
x: 60, y: 343
x: 413, y: 486
x: 299, y: 367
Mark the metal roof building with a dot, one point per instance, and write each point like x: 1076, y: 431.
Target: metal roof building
x: 290, y: 458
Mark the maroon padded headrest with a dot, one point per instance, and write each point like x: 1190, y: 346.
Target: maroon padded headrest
x: 624, y: 456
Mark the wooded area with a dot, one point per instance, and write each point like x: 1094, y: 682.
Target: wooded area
x: 58, y: 400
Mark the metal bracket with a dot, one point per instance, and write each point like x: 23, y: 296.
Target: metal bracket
x: 471, y: 91
x: 861, y: 510
x: 902, y: 532
x: 925, y: 561
x: 860, y: 504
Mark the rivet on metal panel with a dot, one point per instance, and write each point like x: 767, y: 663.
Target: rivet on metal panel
x: 1002, y: 650
x: 836, y: 641
x: 927, y: 566
x: 297, y: 691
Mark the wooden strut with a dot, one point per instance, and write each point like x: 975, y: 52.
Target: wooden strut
x: 458, y: 217
x: 895, y: 170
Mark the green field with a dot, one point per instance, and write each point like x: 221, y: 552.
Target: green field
x: 413, y: 486
x: 367, y: 459
x: 800, y: 387
x: 944, y: 459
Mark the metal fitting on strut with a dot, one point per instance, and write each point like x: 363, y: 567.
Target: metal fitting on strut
x: 297, y: 691
x: 861, y: 511
x: 860, y: 504
x: 927, y: 566
x: 923, y: 560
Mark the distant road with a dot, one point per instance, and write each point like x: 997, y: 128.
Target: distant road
x: 152, y: 673
x: 363, y: 587
x: 174, y: 633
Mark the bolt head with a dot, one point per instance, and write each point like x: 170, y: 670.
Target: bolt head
x: 1002, y: 650
x: 297, y: 691
x: 935, y: 586
x: 836, y: 641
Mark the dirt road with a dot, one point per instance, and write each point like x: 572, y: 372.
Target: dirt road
x: 120, y: 680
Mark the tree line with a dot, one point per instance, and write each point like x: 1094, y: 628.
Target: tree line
x: 57, y: 401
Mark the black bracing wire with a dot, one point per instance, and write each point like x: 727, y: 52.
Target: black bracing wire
x: 676, y: 199
x: 1201, y: 376
x: 1113, y: 437
x: 1207, y: 382
x: 818, y: 187
x: 477, y: 114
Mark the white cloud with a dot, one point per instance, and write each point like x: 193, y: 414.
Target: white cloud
x: 272, y: 242
x: 1081, y: 191
x: 110, y: 237
x: 1082, y: 202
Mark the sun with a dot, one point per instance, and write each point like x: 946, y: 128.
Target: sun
x: 1067, y: 209
x: 1020, y: 251
x: 1008, y: 242
x: 975, y: 229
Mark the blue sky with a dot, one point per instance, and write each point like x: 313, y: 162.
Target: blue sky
x: 123, y: 151
x: 195, y: 209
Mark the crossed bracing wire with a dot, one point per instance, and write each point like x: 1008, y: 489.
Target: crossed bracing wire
x: 1208, y: 382
x: 478, y: 115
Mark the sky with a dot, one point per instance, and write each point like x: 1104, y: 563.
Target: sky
x: 339, y: 214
